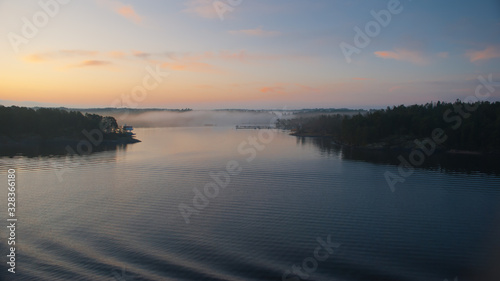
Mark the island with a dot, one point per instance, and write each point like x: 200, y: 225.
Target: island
x: 23, y: 128
x: 468, y: 128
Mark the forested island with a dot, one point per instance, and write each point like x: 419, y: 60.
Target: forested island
x: 472, y: 127
x: 27, y: 127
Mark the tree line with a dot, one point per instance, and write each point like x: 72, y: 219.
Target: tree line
x: 22, y: 122
x: 468, y: 126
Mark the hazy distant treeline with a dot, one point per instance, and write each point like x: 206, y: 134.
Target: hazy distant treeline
x: 21, y: 122
x: 467, y: 126
x: 194, y: 118
x: 151, y: 117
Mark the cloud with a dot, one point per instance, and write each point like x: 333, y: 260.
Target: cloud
x: 273, y: 89
x: 91, y: 63
x: 126, y: 11
x: 78, y: 52
x: 116, y: 54
x: 191, y: 66
x: 50, y: 56
x: 490, y: 52
x: 64, y: 54
x: 141, y: 54
x: 255, y: 32
x: 404, y: 55
x: 83, y: 58
x: 189, y: 62
x: 35, y: 58
x: 198, y: 62
x: 202, y: 8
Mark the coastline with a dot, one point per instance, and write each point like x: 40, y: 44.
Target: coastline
x: 36, y: 140
x: 38, y: 146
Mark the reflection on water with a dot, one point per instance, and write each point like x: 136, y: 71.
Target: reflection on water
x: 54, y: 149
x: 446, y: 162
x: 116, y: 212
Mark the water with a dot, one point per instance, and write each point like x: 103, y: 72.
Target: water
x: 114, y: 215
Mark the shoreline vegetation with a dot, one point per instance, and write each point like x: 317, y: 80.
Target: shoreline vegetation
x: 28, y: 129
x: 469, y: 128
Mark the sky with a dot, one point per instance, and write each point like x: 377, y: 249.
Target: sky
x: 256, y: 54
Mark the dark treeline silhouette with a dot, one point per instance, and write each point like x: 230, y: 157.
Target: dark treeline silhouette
x: 444, y: 162
x: 18, y: 123
x: 467, y: 126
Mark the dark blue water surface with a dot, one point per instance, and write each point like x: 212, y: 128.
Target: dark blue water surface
x: 114, y: 215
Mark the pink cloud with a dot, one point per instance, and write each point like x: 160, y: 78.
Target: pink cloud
x: 273, y: 89
x: 490, y: 52
x: 126, y: 11
x: 404, y: 55
x: 255, y: 32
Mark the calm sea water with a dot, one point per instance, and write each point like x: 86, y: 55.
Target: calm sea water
x: 114, y: 215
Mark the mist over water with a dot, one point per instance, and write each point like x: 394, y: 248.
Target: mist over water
x: 195, y: 118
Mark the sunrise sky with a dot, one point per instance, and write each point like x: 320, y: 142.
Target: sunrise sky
x: 262, y: 54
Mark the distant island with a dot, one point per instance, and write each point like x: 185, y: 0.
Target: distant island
x: 126, y: 110
x: 23, y: 127
x: 467, y: 127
